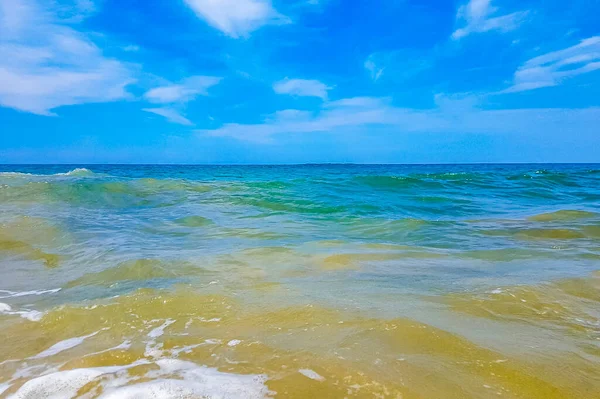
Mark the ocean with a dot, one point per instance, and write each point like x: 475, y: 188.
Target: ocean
x: 309, y: 281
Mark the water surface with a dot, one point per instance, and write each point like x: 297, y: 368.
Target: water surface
x: 463, y: 281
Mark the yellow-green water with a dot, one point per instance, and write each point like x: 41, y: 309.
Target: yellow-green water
x: 299, y: 282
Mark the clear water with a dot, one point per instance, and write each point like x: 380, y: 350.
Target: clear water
x: 421, y: 281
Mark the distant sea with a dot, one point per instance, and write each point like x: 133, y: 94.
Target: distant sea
x: 308, y: 281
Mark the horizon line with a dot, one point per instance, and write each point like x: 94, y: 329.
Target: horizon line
x: 301, y: 164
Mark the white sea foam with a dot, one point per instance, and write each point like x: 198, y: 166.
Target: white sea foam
x: 4, y: 387
x: 171, y: 389
x: 31, y: 315
x: 64, y: 384
x: 154, y: 349
x: 311, y: 374
x: 174, y: 379
x: 15, y: 174
x: 122, y: 346
x: 234, y: 342
x: 63, y: 346
x: 79, y: 172
x: 16, y: 294
x: 158, y: 331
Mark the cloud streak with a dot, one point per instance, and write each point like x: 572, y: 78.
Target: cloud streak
x: 552, y: 68
x: 172, y: 115
x: 302, y: 88
x: 479, y: 16
x: 183, y: 92
x: 450, y: 115
x: 175, y: 96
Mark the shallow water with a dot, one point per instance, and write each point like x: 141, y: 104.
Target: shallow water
x: 300, y: 281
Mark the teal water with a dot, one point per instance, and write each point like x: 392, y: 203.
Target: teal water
x: 482, y: 252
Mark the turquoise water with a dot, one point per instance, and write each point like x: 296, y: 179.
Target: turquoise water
x: 483, y: 253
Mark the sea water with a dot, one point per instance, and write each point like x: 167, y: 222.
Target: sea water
x: 313, y: 281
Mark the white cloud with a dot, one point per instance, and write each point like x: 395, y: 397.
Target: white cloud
x: 301, y: 87
x: 183, y: 92
x: 171, y: 114
x: 237, y: 18
x: 478, y: 16
x: 45, y: 64
x: 450, y: 115
x: 373, y: 69
x: 179, y: 94
x: 552, y: 68
x: 397, y: 65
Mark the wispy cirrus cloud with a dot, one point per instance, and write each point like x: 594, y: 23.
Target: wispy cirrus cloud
x: 45, y: 63
x: 552, y: 68
x: 452, y: 114
x: 375, y: 71
x: 397, y: 65
x: 182, y: 92
x: 237, y: 18
x: 175, y: 96
x: 302, y: 88
x: 478, y: 16
x: 171, y: 114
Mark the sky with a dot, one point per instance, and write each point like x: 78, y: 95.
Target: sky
x: 299, y: 81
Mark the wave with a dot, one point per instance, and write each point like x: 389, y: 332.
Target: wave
x: 563, y: 215
x: 140, y: 270
x: 77, y: 172
x: 354, y: 260
x: 537, y: 233
x: 28, y: 251
x: 110, y: 192
x: 194, y: 221
x: 569, y: 303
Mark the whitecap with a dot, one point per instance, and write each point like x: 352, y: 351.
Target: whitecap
x: 77, y: 172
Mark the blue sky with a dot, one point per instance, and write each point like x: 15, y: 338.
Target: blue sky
x: 295, y: 81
